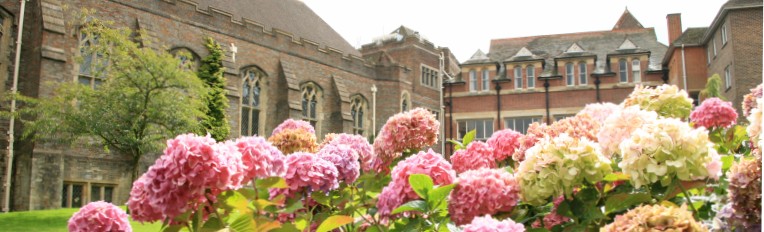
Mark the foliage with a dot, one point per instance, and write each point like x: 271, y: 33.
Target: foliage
x: 211, y: 73
x: 146, y: 97
x: 54, y: 220
x: 713, y: 88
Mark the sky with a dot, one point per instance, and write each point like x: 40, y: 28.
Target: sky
x: 466, y: 26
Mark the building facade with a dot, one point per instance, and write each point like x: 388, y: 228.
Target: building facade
x: 730, y: 47
x: 281, y: 61
x: 549, y: 77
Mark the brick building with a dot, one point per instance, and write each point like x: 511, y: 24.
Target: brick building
x: 550, y: 77
x: 282, y: 61
x: 730, y: 47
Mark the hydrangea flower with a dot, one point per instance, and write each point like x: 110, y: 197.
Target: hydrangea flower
x: 579, y: 126
x: 99, y: 216
x: 399, y: 190
x: 619, y: 126
x: 745, y: 193
x: 344, y: 158
x: 714, y: 113
x: 755, y: 120
x: 356, y: 142
x: 480, y: 192
x: 139, y: 202
x: 291, y: 124
x: 488, y: 224
x: 552, y: 219
x: 666, y: 148
x: 749, y: 100
x: 504, y: 143
x: 600, y: 111
x: 536, y: 132
x: 655, y: 218
x: 414, y: 129
x: 477, y: 155
x: 666, y: 100
x: 290, y: 141
x: 261, y: 158
x: 308, y: 172
x: 192, y: 171
x: 556, y: 165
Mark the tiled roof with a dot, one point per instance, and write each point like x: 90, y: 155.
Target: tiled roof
x: 291, y: 16
x: 691, y: 36
x: 478, y: 57
x: 627, y: 21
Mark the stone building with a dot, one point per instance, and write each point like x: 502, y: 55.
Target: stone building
x: 282, y: 61
x: 730, y: 47
x: 550, y: 77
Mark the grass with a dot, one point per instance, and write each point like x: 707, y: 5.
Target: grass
x: 53, y: 220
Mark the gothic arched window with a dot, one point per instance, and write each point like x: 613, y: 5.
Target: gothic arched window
x: 188, y: 59
x: 251, y: 101
x: 92, y: 68
x: 310, y: 103
x: 405, y: 102
x: 358, y: 111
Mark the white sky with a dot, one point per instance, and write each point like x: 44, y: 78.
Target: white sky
x: 465, y: 26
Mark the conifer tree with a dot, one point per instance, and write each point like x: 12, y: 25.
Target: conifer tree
x: 211, y: 73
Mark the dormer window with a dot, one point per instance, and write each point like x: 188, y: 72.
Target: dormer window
x: 531, y: 75
x: 518, y: 77
x: 635, y: 71
x: 582, y: 77
x: 486, y: 79
x: 622, y: 72
x: 473, y: 81
x: 569, y: 74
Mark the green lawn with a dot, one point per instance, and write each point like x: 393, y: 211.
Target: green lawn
x: 52, y: 220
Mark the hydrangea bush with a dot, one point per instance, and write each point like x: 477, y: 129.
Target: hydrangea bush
x: 645, y: 164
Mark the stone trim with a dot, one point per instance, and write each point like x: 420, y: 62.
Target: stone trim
x: 52, y: 53
x: 339, y: 83
x: 53, y: 16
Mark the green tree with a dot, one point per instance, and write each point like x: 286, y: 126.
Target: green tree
x: 713, y: 88
x: 211, y: 73
x: 146, y: 98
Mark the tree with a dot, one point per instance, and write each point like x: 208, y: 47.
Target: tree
x: 211, y: 73
x: 713, y: 89
x: 146, y: 98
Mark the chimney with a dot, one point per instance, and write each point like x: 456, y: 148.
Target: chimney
x: 674, y: 26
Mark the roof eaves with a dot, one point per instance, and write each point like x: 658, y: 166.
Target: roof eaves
x: 720, y: 15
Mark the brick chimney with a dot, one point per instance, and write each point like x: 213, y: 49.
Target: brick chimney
x: 674, y: 26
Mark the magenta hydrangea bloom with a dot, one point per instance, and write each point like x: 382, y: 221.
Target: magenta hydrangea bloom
x: 413, y: 129
x: 356, y: 142
x: 291, y: 124
x: 260, y: 158
x: 488, y: 224
x: 344, y: 158
x: 482, y: 191
x: 504, y: 143
x: 308, y: 172
x: 192, y: 170
x: 477, y: 155
x: 399, y: 190
x: 714, y: 113
x: 99, y: 216
x: 139, y: 203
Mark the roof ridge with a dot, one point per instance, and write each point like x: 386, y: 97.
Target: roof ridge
x: 570, y: 34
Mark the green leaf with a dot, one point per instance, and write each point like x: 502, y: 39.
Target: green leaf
x: 321, y: 198
x: 537, y: 230
x: 623, y: 201
x: 467, y: 139
x: 260, y: 204
x: 457, y: 145
x: 564, y: 210
x: 293, y: 205
x: 212, y: 224
x: 437, y: 195
x: 235, y: 200
x: 727, y: 161
x: 416, y: 205
x: 615, y: 177
x: 271, y: 182
x: 245, y: 222
x: 288, y: 227
x: 421, y: 184
x: 334, y: 222
x: 173, y: 228
x: 264, y: 224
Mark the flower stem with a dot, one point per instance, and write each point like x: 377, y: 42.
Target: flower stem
x: 687, y: 197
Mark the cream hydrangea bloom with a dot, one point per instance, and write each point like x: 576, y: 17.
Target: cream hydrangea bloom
x: 665, y: 148
x: 554, y: 166
x: 666, y: 100
x: 655, y: 218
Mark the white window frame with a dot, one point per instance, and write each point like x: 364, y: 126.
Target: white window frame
x: 623, y: 71
x: 708, y: 55
x: 429, y: 77
x: 466, y: 125
x: 473, y: 81
x: 512, y: 123
x: 570, y: 74
x: 583, y: 78
x: 518, y: 77
x: 636, y: 70
x: 486, y: 80
x: 724, y: 34
x: 713, y: 44
x: 530, y: 73
x: 727, y: 77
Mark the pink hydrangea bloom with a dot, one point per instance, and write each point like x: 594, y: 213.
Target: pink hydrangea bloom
x: 504, y: 143
x: 552, y: 219
x: 413, y: 129
x: 480, y: 192
x: 477, y: 155
x: 357, y: 143
x: 714, y: 113
x: 308, y: 172
x: 749, y: 100
x: 579, y: 126
x: 600, y: 111
x: 344, y: 158
x: 260, y: 158
x: 399, y: 189
x: 139, y: 202
x: 192, y: 171
x: 99, y: 216
x: 620, y: 126
x: 488, y: 224
x: 291, y: 124
x: 536, y: 132
x: 289, y: 141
